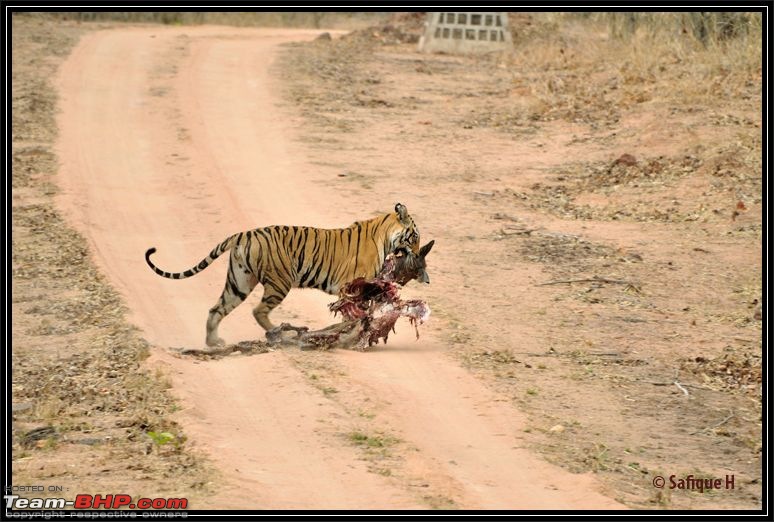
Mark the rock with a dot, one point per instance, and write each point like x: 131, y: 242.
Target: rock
x: 557, y: 429
x: 21, y: 406
x: 89, y: 441
x: 324, y: 37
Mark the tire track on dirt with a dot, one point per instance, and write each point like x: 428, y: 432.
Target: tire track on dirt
x: 170, y: 137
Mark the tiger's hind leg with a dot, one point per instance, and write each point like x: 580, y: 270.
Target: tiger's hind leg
x: 272, y: 296
x: 239, y: 283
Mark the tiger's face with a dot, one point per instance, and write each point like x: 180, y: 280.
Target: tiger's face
x: 408, y: 237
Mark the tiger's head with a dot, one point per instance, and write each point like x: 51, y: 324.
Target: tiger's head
x: 407, y: 235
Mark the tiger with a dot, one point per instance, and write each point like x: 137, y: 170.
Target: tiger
x: 285, y: 257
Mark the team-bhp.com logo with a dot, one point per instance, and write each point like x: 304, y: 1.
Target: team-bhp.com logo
x: 84, y: 501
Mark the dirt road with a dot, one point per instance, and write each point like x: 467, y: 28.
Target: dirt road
x: 173, y: 138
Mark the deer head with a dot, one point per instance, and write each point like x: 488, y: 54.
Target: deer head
x: 412, y: 266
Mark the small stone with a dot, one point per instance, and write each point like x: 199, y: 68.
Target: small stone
x: 21, y: 406
x: 557, y: 429
x: 88, y: 441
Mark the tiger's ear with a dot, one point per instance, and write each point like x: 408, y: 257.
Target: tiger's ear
x: 426, y: 249
x: 402, y: 212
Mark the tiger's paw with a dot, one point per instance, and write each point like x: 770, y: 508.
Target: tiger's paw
x: 215, y: 341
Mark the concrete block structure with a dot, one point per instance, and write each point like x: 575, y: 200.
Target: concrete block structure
x: 466, y: 33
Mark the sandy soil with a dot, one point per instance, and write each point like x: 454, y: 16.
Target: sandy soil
x: 172, y: 138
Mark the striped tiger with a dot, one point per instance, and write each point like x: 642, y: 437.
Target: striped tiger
x: 285, y: 257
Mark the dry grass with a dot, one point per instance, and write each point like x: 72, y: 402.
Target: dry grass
x: 330, y: 20
x: 576, y: 67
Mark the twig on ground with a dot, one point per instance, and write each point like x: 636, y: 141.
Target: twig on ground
x: 594, y: 279
x: 556, y: 354
x: 682, y: 389
x: 670, y: 383
x: 245, y: 347
x: 676, y: 382
x: 719, y: 424
x: 500, y: 215
x: 517, y: 231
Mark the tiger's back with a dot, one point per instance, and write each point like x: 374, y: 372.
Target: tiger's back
x: 325, y: 259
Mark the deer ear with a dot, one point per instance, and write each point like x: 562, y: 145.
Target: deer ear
x: 426, y: 249
x: 402, y: 211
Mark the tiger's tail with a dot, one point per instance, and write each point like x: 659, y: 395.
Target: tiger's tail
x: 228, y: 244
